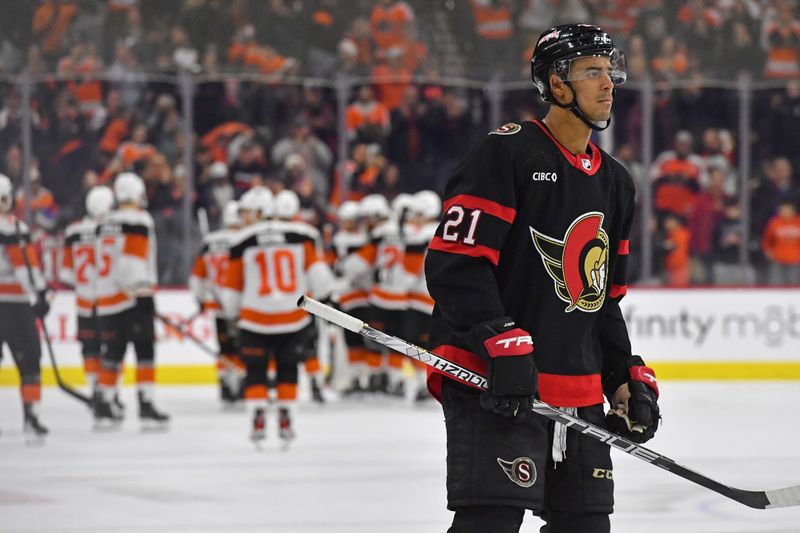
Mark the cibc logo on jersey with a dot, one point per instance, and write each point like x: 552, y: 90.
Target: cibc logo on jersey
x: 578, y: 263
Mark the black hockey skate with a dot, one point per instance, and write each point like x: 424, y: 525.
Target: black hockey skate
x: 107, y: 417
x: 316, y: 392
x: 151, y: 418
x: 34, y: 431
x: 285, y: 431
x: 259, y: 430
x: 355, y: 389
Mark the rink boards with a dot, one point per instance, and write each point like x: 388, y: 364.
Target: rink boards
x: 742, y: 333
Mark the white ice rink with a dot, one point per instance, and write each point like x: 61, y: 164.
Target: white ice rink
x: 367, y: 467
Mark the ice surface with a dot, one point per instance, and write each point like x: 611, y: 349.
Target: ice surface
x: 366, y: 467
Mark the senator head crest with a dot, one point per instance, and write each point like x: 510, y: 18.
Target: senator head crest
x: 578, y: 264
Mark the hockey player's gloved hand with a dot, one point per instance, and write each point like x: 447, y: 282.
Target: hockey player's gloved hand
x: 41, y: 306
x: 512, y: 373
x: 634, y: 412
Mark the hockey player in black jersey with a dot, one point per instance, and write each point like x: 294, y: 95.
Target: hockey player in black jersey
x: 527, y: 269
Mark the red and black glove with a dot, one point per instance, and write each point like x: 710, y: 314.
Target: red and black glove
x: 508, y: 351
x: 634, y: 412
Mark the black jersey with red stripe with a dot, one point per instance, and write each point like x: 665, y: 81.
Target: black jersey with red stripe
x: 536, y: 233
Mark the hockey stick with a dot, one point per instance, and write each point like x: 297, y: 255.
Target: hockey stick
x: 186, y: 333
x: 61, y: 384
x: 786, y: 497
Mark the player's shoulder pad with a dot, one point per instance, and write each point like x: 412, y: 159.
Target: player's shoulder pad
x: 297, y: 231
x: 510, y: 128
x: 132, y: 221
x: 245, y: 238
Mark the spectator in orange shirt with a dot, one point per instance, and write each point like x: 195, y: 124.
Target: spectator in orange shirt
x: 781, y: 245
x: 676, y: 246
x: 677, y: 175
x: 391, y: 78
x: 51, y: 23
x: 391, y: 22
x: 367, y: 120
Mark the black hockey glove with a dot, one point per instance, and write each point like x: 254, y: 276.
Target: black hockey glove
x: 634, y: 412
x: 508, y: 352
x: 147, y: 305
x: 41, y: 306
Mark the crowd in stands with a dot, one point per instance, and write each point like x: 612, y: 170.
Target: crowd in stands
x: 107, y: 97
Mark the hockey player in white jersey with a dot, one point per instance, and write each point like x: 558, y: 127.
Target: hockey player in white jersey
x: 78, y: 269
x: 23, y: 299
x: 287, y: 209
x: 126, y: 279
x: 271, y: 265
x: 353, y: 298
x: 205, y: 282
x: 425, y: 208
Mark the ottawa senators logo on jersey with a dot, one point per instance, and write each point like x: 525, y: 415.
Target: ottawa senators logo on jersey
x: 579, y: 263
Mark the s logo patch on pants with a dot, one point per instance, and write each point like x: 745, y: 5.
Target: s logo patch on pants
x: 521, y: 471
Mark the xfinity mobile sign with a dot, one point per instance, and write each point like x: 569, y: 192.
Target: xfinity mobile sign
x: 714, y: 324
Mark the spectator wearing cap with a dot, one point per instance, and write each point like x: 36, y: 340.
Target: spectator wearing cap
x: 348, y: 62
x: 316, y: 155
x: 781, y: 245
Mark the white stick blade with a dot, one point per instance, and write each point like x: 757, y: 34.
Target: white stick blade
x: 788, y: 497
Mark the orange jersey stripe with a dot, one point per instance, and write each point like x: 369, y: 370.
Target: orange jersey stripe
x: 234, y: 276
x: 414, y: 262
x: 11, y: 288
x: 108, y: 301
x: 83, y: 303
x: 383, y: 295
x: 271, y: 319
x: 136, y: 245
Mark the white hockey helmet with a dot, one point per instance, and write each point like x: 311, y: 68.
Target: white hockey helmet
x: 348, y: 211
x: 402, y: 203
x: 6, y: 194
x: 287, y: 204
x: 258, y: 200
x: 427, y: 204
x: 230, y: 214
x: 375, y: 205
x: 99, y: 201
x: 128, y: 187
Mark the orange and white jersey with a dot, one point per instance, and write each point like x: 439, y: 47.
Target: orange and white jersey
x: 417, y: 238
x: 390, y: 290
x: 271, y: 265
x: 78, y: 263
x: 124, y: 254
x: 210, y: 266
x: 350, y: 267
x: 15, y: 283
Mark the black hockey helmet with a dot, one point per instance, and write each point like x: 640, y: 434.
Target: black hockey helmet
x: 557, y: 47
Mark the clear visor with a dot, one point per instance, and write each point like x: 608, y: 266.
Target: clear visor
x: 573, y: 70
